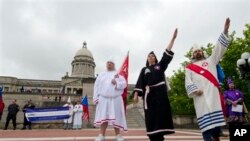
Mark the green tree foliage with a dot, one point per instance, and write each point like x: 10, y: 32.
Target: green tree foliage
x: 181, y: 104
x: 236, y: 48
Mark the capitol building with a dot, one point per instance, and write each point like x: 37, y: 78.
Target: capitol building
x: 80, y: 81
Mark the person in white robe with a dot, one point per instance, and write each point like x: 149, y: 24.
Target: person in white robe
x: 202, y: 85
x: 78, y: 112
x: 108, y: 89
x: 68, y: 122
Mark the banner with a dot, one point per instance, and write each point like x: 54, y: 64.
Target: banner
x: 47, y: 114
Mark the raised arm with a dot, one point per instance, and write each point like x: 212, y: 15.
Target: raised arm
x: 168, y: 54
x: 170, y: 45
x: 226, y: 26
x: 221, y: 44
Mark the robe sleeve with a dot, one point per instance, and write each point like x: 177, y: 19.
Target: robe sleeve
x: 220, y: 48
x: 189, y: 85
x: 228, y: 101
x: 96, y: 90
x: 241, y: 99
x: 139, y: 87
x: 166, y: 59
x: 75, y: 108
x: 121, y: 83
x: 80, y: 108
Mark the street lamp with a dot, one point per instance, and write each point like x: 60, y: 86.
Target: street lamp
x: 244, y: 66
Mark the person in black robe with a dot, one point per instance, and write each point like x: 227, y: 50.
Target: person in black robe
x: 151, y: 86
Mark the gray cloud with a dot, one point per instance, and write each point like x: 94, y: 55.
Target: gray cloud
x: 39, y: 38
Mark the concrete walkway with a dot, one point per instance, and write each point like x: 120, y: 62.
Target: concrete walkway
x: 90, y: 134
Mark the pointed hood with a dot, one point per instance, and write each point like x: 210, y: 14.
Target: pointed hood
x: 156, y: 61
x: 69, y: 100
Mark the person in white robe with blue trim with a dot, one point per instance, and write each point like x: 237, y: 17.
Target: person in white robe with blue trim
x: 202, y: 85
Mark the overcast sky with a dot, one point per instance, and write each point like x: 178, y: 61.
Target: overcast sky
x: 39, y: 38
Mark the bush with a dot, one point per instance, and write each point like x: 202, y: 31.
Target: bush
x: 182, y: 105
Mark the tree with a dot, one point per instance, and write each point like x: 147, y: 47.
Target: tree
x: 181, y: 104
x: 236, y: 48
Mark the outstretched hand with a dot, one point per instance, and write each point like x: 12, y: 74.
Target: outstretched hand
x: 170, y: 45
x: 175, y: 33
x: 226, y: 26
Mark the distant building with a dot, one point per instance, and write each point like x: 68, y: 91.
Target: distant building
x: 81, y: 80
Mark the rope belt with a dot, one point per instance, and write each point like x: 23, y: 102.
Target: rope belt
x: 148, y: 90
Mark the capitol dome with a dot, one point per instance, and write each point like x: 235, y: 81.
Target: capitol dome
x: 84, y: 51
x: 83, y: 64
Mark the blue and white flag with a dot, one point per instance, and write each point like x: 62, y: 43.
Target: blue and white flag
x: 47, y: 114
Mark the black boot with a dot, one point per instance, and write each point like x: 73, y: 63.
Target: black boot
x: 23, y: 128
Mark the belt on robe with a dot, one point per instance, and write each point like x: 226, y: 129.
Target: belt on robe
x: 148, y: 90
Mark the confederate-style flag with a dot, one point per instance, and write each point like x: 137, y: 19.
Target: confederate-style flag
x: 85, y: 106
x: 124, y: 72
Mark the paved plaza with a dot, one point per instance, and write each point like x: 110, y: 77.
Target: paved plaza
x: 90, y: 134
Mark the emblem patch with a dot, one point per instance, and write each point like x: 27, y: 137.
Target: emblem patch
x: 157, y: 67
x: 147, y: 71
x: 204, y: 64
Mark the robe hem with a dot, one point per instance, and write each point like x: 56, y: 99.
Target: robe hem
x: 111, y: 121
x: 211, y: 127
x: 163, y: 131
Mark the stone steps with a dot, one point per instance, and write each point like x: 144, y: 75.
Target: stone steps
x: 134, y: 118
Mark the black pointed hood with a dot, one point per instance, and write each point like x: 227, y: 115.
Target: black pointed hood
x: 156, y: 61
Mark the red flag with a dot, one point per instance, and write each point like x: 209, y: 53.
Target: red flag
x: 85, y: 108
x: 124, y: 72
